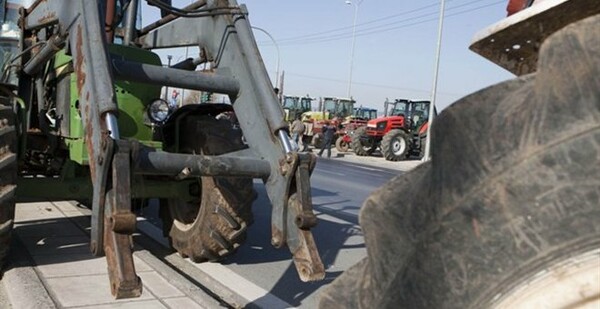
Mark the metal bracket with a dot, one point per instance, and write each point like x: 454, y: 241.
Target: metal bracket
x: 300, y: 218
x: 119, y: 225
x: 99, y: 194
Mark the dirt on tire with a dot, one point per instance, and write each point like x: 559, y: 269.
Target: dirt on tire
x: 341, y: 145
x: 491, y: 209
x: 388, y: 144
x: 357, y: 145
x: 214, y: 225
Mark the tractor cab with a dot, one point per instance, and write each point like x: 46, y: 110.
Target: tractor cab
x: 418, y: 114
x: 290, y: 105
x: 337, y: 107
x: 364, y: 113
x: 295, y: 106
x: 407, y: 114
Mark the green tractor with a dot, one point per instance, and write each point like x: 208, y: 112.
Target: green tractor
x: 294, y: 107
x: 81, y: 118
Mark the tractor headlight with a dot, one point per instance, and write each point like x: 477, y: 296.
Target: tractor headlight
x: 381, y: 126
x: 158, y: 110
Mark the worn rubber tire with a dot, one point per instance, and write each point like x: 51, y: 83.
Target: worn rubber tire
x: 357, y: 145
x: 493, y: 209
x: 392, y: 140
x: 340, y: 145
x: 215, y: 224
x: 423, y: 141
x: 8, y: 175
x: 317, y: 140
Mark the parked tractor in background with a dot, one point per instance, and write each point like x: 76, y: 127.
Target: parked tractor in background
x: 399, y: 134
x: 358, y: 119
x: 82, y: 119
x: 332, y: 109
x: 296, y: 106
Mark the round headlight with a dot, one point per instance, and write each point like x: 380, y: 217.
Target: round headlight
x: 158, y: 110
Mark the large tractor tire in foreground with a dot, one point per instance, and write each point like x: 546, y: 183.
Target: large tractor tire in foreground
x: 357, y: 144
x: 505, y: 216
x: 394, y: 145
x: 8, y: 175
x: 215, y: 224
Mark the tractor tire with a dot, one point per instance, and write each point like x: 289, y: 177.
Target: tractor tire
x: 423, y: 146
x: 317, y: 141
x: 341, y: 145
x: 357, y: 144
x: 394, y: 145
x: 215, y: 224
x: 501, y: 215
x: 8, y: 175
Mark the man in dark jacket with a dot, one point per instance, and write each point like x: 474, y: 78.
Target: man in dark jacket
x: 328, y: 134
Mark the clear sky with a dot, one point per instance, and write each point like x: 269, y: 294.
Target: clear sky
x: 394, y: 53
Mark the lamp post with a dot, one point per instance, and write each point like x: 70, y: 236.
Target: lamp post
x: 278, y: 55
x: 169, y: 57
x: 427, y: 154
x: 358, y: 2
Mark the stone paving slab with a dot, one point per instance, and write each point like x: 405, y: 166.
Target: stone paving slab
x: 61, y: 263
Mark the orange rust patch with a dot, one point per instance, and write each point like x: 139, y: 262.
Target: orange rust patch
x: 79, y: 61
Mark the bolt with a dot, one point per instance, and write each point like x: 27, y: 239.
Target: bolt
x: 284, y: 169
x: 276, y: 241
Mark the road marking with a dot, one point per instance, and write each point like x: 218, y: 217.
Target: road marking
x: 367, y: 168
x: 243, y: 287
x: 334, y: 173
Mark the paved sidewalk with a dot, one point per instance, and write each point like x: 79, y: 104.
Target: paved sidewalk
x: 63, y: 270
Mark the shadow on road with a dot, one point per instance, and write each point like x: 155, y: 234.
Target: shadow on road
x: 332, y: 233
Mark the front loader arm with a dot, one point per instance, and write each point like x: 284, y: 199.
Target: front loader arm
x: 229, y: 45
x: 238, y: 71
x: 80, y: 27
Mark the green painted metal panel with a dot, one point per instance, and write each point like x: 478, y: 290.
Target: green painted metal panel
x: 132, y: 99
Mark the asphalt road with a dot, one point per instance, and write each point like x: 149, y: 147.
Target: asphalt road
x: 266, y: 276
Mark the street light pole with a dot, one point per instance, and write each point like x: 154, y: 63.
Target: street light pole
x: 353, y: 42
x: 427, y: 154
x: 278, y: 55
x: 169, y: 57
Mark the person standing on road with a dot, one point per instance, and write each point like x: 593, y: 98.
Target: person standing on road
x: 297, y: 130
x: 328, y: 134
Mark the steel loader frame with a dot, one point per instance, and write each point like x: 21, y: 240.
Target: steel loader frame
x: 223, y: 33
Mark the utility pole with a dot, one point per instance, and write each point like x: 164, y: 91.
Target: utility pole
x: 427, y: 155
x: 353, y: 43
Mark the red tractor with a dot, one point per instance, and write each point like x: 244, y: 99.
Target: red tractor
x: 399, y: 134
x: 332, y: 109
x: 359, y: 118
